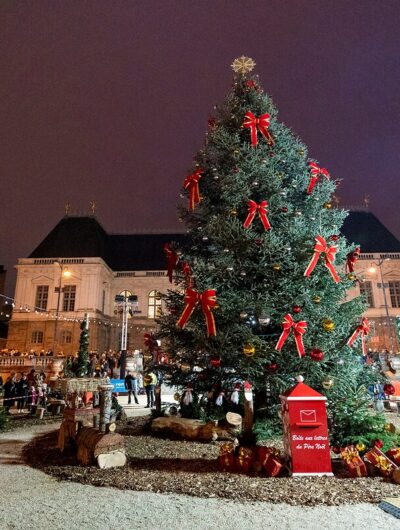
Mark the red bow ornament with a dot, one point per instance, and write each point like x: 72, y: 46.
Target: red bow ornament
x: 172, y: 260
x: 322, y: 248
x: 191, y: 183
x: 262, y: 211
x: 261, y: 123
x: 352, y: 258
x: 208, y: 300
x: 299, y: 328
x: 362, y: 329
x: 316, y: 174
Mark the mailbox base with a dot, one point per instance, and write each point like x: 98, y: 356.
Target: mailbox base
x: 327, y: 474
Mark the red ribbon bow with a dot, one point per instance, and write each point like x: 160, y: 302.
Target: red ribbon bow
x: 362, y: 329
x: 172, y: 260
x: 316, y: 174
x: 299, y: 328
x: 262, y: 123
x: 191, y: 182
x: 319, y: 248
x: 262, y: 211
x: 352, y: 257
x: 208, y: 300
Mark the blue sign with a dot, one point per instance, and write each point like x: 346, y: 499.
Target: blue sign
x: 119, y: 385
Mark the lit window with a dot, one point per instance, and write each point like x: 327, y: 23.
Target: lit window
x: 154, y: 305
x: 366, y: 291
x: 37, y: 337
x: 42, y: 296
x: 394, y: 290
x: 69, y: 297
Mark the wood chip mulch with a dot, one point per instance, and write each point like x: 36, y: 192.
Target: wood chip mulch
x: 184, y: 467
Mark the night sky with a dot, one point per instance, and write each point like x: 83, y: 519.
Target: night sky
x: 109, y: 100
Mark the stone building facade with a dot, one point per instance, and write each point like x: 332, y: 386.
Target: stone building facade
x: 78, y: 269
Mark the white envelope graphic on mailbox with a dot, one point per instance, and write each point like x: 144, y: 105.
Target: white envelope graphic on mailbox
x: 308, y: 416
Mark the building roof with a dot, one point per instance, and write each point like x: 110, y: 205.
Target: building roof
x: 85, y: 237
x: 365, y: 229
x: 75, y: 237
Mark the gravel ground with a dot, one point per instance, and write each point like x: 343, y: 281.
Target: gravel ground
x: 35, y: 499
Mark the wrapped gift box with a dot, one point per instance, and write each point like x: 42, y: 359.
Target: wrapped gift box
x: 394, y: 455
x: 382, y: 463
x: 226, y: 459
x: 244, y: 460
x: 273, y: 466
x: 353, y: 461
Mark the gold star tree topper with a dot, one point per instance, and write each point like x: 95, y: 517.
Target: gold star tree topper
x: 243, y: 65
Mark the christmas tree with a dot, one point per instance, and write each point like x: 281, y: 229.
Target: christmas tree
x: 262, y: 283
x: 82, y: 367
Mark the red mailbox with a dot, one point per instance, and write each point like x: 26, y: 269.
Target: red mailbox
x: 305, y: 430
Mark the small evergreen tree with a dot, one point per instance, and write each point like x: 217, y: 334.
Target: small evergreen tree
x: 260, y: 215
x: 82, y: 368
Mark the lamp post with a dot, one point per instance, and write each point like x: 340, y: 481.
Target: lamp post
x: 388, y: 322
x: 58, y: 290
x: 129, y: 304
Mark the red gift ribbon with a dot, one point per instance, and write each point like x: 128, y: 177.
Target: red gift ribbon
x: 351, y: 259
x: 363, y: 329
x: 191, y: 183
x: 208, y: 300
x: 262, y: 211
x: 172, y: 260
x: 319, y: 248
x: 261, y: 123
x: 316, y: 174
x: 299, y: 328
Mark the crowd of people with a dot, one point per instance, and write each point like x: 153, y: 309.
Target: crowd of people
x: 25, y: 390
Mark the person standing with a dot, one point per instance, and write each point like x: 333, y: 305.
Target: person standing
x: 131, y: 387
x: 9, y: 393
x: 150, y: 381
x: 22, y: 392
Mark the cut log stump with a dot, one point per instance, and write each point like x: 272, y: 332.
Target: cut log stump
x: 195, y: 429
x: 107, y: 450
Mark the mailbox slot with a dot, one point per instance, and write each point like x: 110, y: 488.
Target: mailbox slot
x: 308, y: 425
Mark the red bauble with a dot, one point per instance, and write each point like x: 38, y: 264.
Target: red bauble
x: 334, y: 238
x: 284, y: 209
x: 296, y: 309
x: 389, y: 389
x: 215, y: 362
x: 336, y: 450
x: 272, y: 367
x: 251, y: 84
x: 378, y: 444
x: 235, y: 170
x: 259, y: 242
x: 173, y: 310
x: 271, y: 154
x: 317, y: 355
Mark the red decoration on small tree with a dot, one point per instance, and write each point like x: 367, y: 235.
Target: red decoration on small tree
x: 317, y: 355
x: 261, y: 123
x: 272, y: 367
x: 389, y: 389
x: 215, y: 362
x: 296, y: 309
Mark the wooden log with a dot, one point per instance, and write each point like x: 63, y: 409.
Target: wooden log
x: 185, y: 428
x: 92, y: 443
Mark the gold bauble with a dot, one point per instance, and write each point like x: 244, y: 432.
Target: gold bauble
x: 360, y: 447
x: 233, y: 212
x: 185, y: 367
x: 277, y: 267
x: 328, y: 325
x: 328, y: 383
x: 249, y: 350
x: 328, y: 205
x: 389, y: 427
x: 316, y: 299
x: 177, y: 396
x: 236, y: 151
x: 351, y: 276
x: 302, y: 152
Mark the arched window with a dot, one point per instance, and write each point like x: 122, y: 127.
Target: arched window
x: 154, y: 305
x: 66, y: 337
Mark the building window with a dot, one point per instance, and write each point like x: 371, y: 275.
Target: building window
x: 154, y: 305
x: 42, y: 296
x: 394, y: 290
x: 366, y: 291
x: 37, y: 337
x: 66, y: 337
x: 69, y: 298
x: 103, y: 302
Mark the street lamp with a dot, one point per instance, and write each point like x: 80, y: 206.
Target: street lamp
x: 66, y: 273
x: 373, y: 270
x: 128, y: 303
